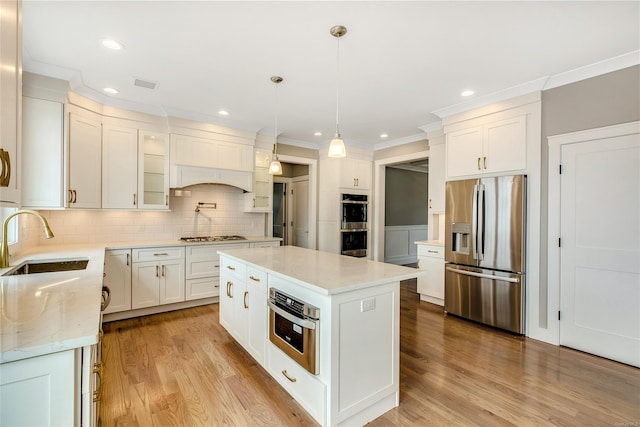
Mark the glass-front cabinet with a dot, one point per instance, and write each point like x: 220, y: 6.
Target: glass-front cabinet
x: 260, y: 199
x: 153, y: 170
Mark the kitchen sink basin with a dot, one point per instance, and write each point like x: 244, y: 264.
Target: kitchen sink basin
x: 48, y: 266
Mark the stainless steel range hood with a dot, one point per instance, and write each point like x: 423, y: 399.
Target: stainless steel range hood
x: 183, y: 176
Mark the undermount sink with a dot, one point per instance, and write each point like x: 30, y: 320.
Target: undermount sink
x: 48, y: 266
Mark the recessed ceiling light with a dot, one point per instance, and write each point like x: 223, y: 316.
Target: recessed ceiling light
x: 112, y: 44
x: 317, y: 134
x: 467, y: 92
x: 110, y: 90
x: 384, y: 135
x: 223, y: 112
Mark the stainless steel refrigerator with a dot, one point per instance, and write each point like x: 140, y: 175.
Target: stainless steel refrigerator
x: 485, y: 230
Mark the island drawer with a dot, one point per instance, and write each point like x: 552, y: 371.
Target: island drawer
x: 158, y: 254
x: 233, y: 267
x: 433, y: 251
x: 257, y: 279
x: 306, y: 389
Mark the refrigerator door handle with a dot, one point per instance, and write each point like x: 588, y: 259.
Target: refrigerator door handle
x: 480, y: 230
x: 474, y: 221
x: 483, y: 275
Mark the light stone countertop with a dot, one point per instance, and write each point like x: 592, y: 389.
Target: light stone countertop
x: 322, y: 272
x: 49, y: 312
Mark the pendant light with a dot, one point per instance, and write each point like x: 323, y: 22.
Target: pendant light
x: 336, y: 148
x: 275, y: 168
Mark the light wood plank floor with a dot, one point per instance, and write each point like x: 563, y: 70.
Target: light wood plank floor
x: 183, y: 369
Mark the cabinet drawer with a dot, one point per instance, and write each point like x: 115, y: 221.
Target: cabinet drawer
x: 233, y: 267
x: 432, y: 251
x: 257, y: 279
x: 158, y: 254
x: 202, y: 288
x: 304, y: 387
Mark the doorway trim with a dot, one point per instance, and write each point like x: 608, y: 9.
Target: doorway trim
x: 313, y: 193
x: 379, y: 173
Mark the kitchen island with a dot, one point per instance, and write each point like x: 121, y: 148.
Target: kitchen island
x: 358, y: 326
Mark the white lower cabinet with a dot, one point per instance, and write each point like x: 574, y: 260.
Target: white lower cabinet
x: 304, y: 387
x: 431, y: 260
x: 56, y: 389
x: 203, y: 270
x: 243, y: 306
x: 157, y: 276
x: 117, y: 277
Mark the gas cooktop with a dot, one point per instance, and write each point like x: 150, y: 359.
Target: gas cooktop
x: 212, y: 238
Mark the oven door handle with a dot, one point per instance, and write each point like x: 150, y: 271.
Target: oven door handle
x: 290, y: 317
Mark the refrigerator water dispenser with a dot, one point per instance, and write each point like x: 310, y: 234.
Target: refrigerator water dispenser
x: 461, y: 236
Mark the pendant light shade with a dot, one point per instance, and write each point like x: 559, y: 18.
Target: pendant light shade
x: 336, y: 148
x: 275, y: 168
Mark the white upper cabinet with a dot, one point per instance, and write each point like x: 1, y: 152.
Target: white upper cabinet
x: 119, y: 167
x: 355, y: 174
x: 85, y: 162
x: 490, y: 148
x: 259, y: 200
x: 153, y: 171
x: 10, y: 102
x: 42, y: 153
x: 135, y: 169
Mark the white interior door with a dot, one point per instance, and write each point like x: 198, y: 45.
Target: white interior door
x: 600, y: 251
x: 300, y: 203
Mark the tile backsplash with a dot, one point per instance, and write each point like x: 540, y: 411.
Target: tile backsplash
x: 91, y: 226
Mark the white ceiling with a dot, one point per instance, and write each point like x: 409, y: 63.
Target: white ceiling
x: 399, y: 61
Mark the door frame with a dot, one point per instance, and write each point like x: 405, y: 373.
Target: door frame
x: 379, y: 174
x: 554, y: 215
x: 313, y: 193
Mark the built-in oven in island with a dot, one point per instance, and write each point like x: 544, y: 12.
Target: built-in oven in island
x: 293, y: 328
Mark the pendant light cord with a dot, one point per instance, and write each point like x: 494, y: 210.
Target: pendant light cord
x: 338, y: 87
x: 275, y: 131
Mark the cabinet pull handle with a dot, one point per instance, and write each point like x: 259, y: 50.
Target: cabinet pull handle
x: 217, y: 266
x: 254, y: 202
x: 284, y: 372
x: 478, y: 163
x: 134, y: 199
x: 430, y: 204
x: 485, y: 162
x: 229, y: 286
x: 231, y: 268
x: 70, y: 199
x: 75, y: 196
x: 166, y: 200
x: 163, y: 270
x: 97, y: 393
x: 128, y: 259
x: 433, y: 252
x: 244, y: 301
x: 254, y: 278
x: 5, y: 177
x: 161, y: 254
x: 157, y: 271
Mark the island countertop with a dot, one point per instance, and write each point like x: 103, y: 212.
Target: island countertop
x: 323, y: 272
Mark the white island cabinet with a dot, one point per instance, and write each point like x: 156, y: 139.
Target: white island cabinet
x: 359, y: 320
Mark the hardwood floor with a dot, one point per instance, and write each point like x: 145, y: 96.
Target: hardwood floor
x: 183, y: 369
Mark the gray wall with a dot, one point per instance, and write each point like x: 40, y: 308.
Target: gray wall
x: 605, y: 100
x: 406, y: 197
